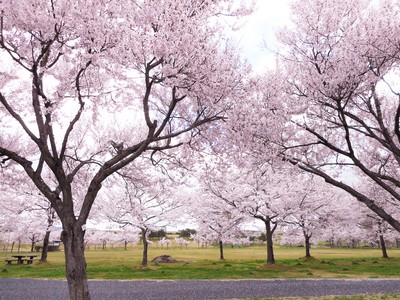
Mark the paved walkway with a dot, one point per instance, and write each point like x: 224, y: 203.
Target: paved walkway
x: 25, y: 289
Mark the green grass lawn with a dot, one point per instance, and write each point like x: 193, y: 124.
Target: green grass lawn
x: 203, y: 263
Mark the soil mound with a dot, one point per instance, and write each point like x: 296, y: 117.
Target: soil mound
x: 164, y: 259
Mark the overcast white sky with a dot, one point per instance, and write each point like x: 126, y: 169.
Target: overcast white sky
x: 258, y: 33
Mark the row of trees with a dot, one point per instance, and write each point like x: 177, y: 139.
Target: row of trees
x: 300, y: 209
x: 295, y: 204
x: 107, y: 105
x: 88, y: 88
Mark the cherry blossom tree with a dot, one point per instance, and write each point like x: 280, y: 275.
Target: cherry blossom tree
x: 217, y: 222
x: 24, y: 226
x: 376, y: 229
x: 51, y: 218
x: 182, y: 242
x: 13, y: 213
x: 257, y: 190
x: 114, y: 236
x: 335, y: 96
x: 162, y: 68
x: 374, y: 226
x: 311, y: 208
x: 142, y: 201
x: 127, y: 236
x: 27, y: 211
x: 344, y: 230
x: 164, y: 241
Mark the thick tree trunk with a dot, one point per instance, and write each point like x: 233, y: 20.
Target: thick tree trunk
x: 45, y: 248
x: 383, y: 246
x: 50, y: 220
x: 307, y: 244
x: 270, y: 243
x: 73, y: 239
x: 145, y: 247
x: 221, y: 250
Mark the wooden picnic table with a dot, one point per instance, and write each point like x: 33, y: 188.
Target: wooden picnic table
x: 21, y: 258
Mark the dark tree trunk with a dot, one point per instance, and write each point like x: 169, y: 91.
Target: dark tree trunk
x: 221, y: 250
x: 50, y: 220
x: 33, y: 244
x: 75, y: 262
x: 307, y: 238
x: 269, y: 231
x: 126, y: 243
x: 45, y: 248
x: 145, y: 247
x: 12, y: 246
x: 383, y: 246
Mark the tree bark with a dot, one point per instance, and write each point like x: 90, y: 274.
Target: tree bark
x: 383, y: 246
x: 50, y: 221
x: 45, y: 248
x: 270, y: 244
x: 75, y: 262
x: 145, y: 247
x: 221, y: 250
x: 307, y: 244
x: 33, y: 244
x: 379, y: 210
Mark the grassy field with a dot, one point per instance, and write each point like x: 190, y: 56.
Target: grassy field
x: 203, y: 263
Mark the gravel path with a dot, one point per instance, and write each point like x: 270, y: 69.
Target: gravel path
x: 25, y: 289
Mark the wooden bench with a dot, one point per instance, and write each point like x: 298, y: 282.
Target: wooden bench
x: 10, y: 260
x: 29, y: 261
